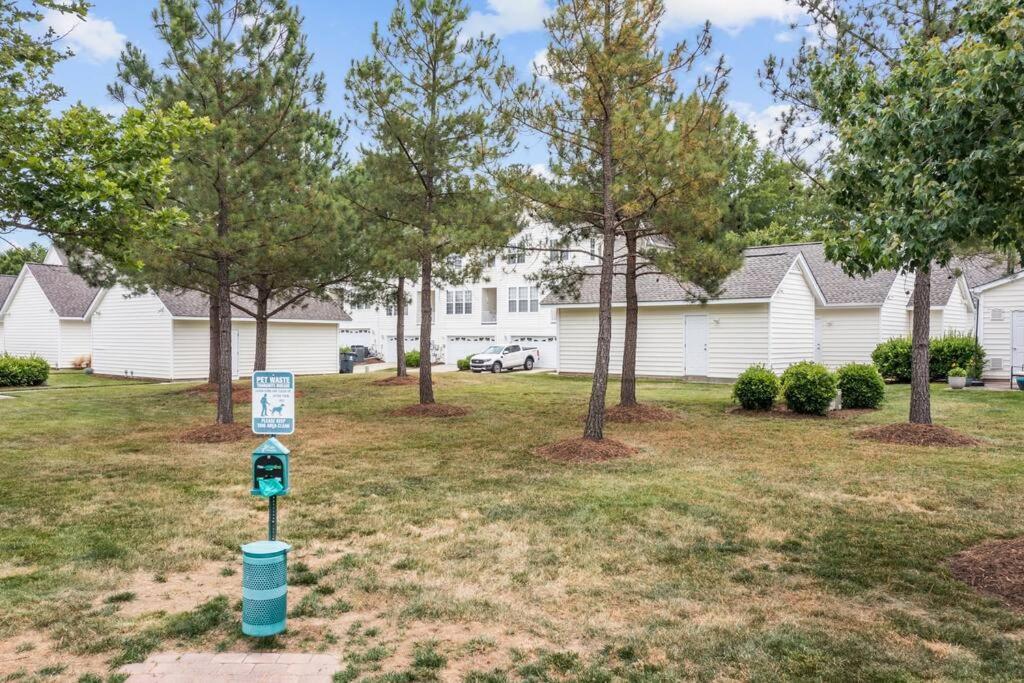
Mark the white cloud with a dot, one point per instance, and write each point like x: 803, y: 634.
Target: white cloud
x: 766, y: 126
x: 731, y: 15
x: 508, y: 16
x: 540, y: 65
x: 784, y: 37
x: 543, y: 171
x: 97, y: 39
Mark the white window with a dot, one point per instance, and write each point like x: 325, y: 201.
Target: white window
x: 556, y: 254
x: 390, y: 310
x: 459, y: 302
x: 515, y: 255
x: 455, y: 261
x: 523, y: 300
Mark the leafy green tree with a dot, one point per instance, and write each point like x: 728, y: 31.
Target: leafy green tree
x: 423, y: 98
x: 84, y: 179
x: 256, y: 189
x: 12, y: 260
x: 859, y: 86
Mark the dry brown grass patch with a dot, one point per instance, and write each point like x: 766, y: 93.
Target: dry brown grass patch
x: 585, y: 450
x: 430, y: 410
x: 641, y: 412
x: 396, y: 381
x: 994, y: 568
x: 780, y: 410
x: 907, y: 434
x: 216, y: 433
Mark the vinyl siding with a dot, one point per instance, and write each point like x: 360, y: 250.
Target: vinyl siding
x: 31, y: 326
x: 957, y: 318
x: 893, y: 321
x: 2, y: 347
x: 737, y: 338
x: 791, y: 321
x: 191, y: 351
x: 75, y: 341
x: 848, y: 335
x: 936, y: 326
x: 131, y: 334
x: 995, y: 335
x: 659, y: 341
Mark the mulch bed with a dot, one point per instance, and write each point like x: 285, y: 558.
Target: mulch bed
x: 396, y: 381
x: 783, y: 411
x: 994, y: 568
x: 217, y: 433
x: 585, y: 450
x: 907, y: 434
x: 641, y: 412
x: 430, y: 410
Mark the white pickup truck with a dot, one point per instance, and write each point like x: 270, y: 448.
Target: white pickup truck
x: 507, y: 357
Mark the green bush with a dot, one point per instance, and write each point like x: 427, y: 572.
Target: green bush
x: 463, y: 363
x: 892, y: 358
x: 861, y: 386
x: 808, y: 388
x: 756, y: 388
x: 957, y: 371
x: 961, y: 350
x: 27, y: 371
x: 412, y: 359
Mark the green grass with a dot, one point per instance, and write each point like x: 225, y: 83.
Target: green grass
x: 77, y: 379
x: 730, y: 546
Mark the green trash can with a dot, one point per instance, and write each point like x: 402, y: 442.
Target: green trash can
x: 346, y: 363
x: 264, y: 587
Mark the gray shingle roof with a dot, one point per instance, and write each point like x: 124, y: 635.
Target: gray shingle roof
x: 836, y: 286
x: 982, y: 268
x: 189, y: 304
x: 68, y: 293
x: 6, y: 284
x: 943, y: 282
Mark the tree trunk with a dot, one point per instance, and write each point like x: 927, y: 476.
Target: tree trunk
x: 920, y: 397
x: 400, y: 328
x: 594, y: 427
x: 214, y: 340
x: 262, y: 322
x: 627, y: 393
x: 426, y: 313
x: 225, y: 413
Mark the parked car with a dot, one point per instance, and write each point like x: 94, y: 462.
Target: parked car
x: 507, y: 357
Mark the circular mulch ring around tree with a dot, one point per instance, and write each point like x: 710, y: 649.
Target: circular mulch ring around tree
x: 396, y: 381
x: 585, y: 450
x: 641, y: 412
x: 430, y: 410
x: 783, y: 411
x: 216, y: 433
x: 993, y: 568
x: 907, y: 434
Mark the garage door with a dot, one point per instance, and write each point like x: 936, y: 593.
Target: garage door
x: 390, y: 353
x: 548, y: 347
x: 460, y: 347
x: 355, y: 337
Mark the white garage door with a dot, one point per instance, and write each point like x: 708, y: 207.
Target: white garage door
x: 548, y: 347
x: 355, y: 337
x: 460, y: 347
x: 390, y: 353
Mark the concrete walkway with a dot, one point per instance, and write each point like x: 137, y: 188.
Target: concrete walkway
x: 257, y: 667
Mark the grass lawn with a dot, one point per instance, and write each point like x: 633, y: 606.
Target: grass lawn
x: 730, y: 547
x: 75, y: 379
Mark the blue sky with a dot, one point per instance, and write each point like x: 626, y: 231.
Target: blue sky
x: 745, y: 32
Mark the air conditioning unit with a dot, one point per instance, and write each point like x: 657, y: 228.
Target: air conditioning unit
x: 995, y: 363
x: 997, y: 314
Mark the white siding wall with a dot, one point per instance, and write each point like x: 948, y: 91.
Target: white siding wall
x: 131, y: 334
x: 75, y: 341
x: 936, y: 326
x: 2, y: 347
x: 894, y: 321
x: 191, y: 350
x: 31, y: 326
x: 791, y: 321
x: 848, y: 335
x: 659, y: 341
x: 957, y: 316
x: 737, y: 338
x: 995, y: 335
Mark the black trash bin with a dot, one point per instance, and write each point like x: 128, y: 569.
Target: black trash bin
x: 347, y: 362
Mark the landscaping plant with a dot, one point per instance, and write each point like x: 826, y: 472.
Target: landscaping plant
x: 17, y: 371
x: 955, y: 350
x: 892, y: 358
x: 809, y: 388
x: 412, y: 359
x: 957, y: 371
x: 756, y: 388
x: 463, y: 363
x: 861, y: 386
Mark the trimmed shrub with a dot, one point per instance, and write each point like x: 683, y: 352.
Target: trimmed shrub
x: 861, y: 386
x: 757, y: 388
x: 892, y: 358
x: 30, y: 371
x: 809, y: 388
x: 463, y: 363
x: 960, y: 350
x: 412, y: 359
x: 957, y: 371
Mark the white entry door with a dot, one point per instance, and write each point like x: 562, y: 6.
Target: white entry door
x: 819, y: 327
x: 236, y: 341
x: 696, y: 342
x: 1017, y: 341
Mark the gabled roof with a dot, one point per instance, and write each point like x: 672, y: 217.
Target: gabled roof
x: 194, y: 305
x: 837, y: 287
x: 68, y: 294
x: 982, y: 269
x: 944, y: 281
x: 756, y: 279
x: 6, y: 285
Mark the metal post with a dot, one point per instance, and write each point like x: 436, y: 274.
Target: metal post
x: 272, y: 522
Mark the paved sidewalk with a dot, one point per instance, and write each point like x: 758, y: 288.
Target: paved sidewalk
x: 177, y: 667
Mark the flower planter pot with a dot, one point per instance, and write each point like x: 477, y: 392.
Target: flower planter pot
x: 957, y: 382
x: 1020, y: 383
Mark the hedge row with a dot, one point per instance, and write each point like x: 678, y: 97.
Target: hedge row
x: 893, y: 357
x: 809, y: 387
x: 18, y: 371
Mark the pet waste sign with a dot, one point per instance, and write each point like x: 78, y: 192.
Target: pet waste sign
x: 273, y: 402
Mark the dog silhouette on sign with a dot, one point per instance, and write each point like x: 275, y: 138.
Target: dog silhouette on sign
x: 277, y: 410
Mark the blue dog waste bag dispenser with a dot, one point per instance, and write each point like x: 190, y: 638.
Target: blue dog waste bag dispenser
x: 264, y: 587
x: 270, y: 469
